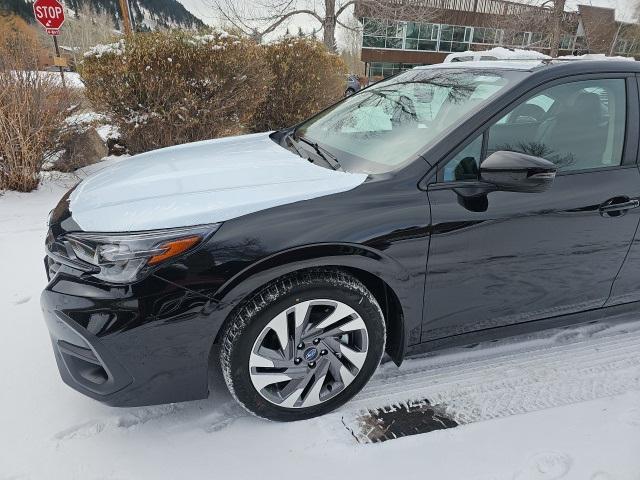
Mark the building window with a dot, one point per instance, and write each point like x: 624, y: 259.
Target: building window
x: 373, y: 33
x: 395, y: 34
x: 382, y: 34
x: 433, y: 37
x: 520, y: 39
x: 454, y: 38
x: 539, y: 40
x: 385, y: 69
x: 421, y: 36
x: 487, y: 36
x: 566, y: 42
x: 625, y: 47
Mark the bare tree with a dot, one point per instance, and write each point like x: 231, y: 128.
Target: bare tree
x: 258, y: 18
x: 352, y: 41
x: 556, y: 26
x: 548, y: 23
x: 86, y: 29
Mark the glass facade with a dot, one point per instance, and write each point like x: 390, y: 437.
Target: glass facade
x: 433, y: 37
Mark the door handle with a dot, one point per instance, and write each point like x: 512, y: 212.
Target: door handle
x: 614, y: 206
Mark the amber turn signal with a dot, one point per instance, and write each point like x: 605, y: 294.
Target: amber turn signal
x: 173, y: 248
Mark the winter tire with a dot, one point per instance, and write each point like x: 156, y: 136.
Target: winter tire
x: 303, y: 345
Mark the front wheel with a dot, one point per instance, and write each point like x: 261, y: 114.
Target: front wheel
x: 303, y: 345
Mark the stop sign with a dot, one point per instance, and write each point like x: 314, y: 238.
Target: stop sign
x: 49, y: 14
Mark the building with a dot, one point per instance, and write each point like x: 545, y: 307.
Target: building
x: 426, y: 31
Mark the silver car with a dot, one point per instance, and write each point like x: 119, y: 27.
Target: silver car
x: 353, y: 85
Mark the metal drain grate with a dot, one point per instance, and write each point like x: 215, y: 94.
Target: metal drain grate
x: 395, y: 421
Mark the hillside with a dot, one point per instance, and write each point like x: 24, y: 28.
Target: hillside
x: 146, y: 14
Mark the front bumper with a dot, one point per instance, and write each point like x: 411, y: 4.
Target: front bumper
x: 131, y: 345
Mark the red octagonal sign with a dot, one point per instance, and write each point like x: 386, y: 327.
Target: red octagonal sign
x: 49, y: 14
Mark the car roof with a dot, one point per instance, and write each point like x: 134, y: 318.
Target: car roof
x: 486, y: 64
x: 528, y: 65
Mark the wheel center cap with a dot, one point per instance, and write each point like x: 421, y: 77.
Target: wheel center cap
x: 310, y: 354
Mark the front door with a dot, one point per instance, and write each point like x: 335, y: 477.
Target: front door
x: 500, y: 258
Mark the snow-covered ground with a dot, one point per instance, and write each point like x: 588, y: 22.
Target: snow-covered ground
x: 556, y: 405
x: 72, y: 79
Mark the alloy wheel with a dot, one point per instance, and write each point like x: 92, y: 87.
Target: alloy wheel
x: 308, y: 353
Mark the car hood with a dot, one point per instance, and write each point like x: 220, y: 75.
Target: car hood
x: 199, y: 183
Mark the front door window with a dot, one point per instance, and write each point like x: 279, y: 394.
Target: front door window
x: 577, y: 126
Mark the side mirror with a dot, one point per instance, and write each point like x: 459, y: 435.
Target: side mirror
x: 517, y: 172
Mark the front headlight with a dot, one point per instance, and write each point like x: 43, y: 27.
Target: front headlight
x: 126, y: 257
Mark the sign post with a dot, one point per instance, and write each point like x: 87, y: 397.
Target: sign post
x: 50, y: 14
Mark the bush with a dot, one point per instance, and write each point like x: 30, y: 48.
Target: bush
x: 307, y: 79
x: 167, y: 88
x: 32, y: 109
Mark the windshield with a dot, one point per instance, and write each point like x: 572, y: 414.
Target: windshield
x: 386, y: 125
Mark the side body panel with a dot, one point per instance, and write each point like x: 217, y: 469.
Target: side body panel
x: 501, y: 258
x: 528, y: 256
x: 626, y: 287
x: 380, y: 228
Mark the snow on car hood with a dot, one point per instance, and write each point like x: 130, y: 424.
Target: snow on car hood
x: 199, y: 183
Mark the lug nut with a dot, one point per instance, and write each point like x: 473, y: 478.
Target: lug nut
x: 297, y: 360
x: 323, y: 352
x: 312, y: 364
x: 316, y: 341
x: 300, y: 346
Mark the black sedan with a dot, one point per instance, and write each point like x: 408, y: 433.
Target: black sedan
x: 446, y: 205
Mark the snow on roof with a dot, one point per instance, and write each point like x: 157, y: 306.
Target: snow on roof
x: 501, y: 53
x: 516, y: 53
x: 595, y: 56
x: 523, y: 65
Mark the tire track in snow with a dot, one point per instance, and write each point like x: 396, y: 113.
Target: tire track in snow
x: 512, y: 376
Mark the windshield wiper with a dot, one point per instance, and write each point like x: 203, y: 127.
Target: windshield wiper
x: 322, y: 152
x: 290, y: 142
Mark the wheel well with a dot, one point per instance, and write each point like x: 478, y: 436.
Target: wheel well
x: 390, y: 305
x: 384, y: 295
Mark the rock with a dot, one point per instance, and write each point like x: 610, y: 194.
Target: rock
x: 82, y: 147
x: 115, y: 147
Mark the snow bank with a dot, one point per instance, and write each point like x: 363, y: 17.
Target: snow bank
x: 108, y: 131
x: 99, y: 50
x: 72, y: 79
x: 101, y: 122
x: 85, y: 117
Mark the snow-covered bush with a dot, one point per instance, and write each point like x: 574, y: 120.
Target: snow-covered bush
x: 166, y: 88
x: 307, y: 78
x: 32, y: 110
